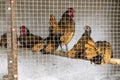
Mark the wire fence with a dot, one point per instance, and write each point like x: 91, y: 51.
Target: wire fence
x: 33, y: 20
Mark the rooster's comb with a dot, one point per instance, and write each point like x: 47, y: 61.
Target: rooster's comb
x: 22, y: 26
x: 70, y: 8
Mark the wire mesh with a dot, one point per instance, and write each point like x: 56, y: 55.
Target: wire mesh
x: 103, y: 18
x: 3, y: 51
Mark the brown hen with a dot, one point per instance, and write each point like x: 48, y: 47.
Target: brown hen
x: 85, y: 47
x: 104, y: 52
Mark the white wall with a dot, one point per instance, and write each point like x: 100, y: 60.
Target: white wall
x: 98, y: 15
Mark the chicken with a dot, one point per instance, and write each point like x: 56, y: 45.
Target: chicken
x: 84, y: 48
x: 3, y: 41
x: 38, y: 47
x: 49, y: 45
x: 28, y: 39
x: 65, y: 26
x: 104, y: 51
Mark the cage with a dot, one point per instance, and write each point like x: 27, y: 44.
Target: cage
x: 34, y: 15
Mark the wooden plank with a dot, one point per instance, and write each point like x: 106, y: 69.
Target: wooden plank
x: 14, y: 41
x: 112, y: 61
x: 11, y: 40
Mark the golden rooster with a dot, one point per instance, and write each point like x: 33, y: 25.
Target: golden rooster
x: 65, y: 26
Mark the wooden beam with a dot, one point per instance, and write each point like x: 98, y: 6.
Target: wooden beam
x: 11, y: 40
x: 112, y: 61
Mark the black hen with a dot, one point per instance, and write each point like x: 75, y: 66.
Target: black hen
x: 28, y: 39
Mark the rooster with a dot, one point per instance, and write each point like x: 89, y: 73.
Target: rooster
x: 85, y: 47
x: 65, y: 26
x: 104, y: 52
x: 28, y: 39
x: 49, y: 45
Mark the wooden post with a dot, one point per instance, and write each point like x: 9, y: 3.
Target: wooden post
x: 12, y: 40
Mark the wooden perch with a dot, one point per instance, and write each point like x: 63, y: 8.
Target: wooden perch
x: 112, y: 61
x: 59, y: 53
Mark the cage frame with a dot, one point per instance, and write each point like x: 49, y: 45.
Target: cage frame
x: 13, y: 47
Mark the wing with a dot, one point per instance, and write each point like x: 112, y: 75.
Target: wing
x: 38, y: 47
x: 104, y: 50
x: 29, y: 40
x: 50, y: 48
x: 68, y: 27
x: 84, y: 48
x: 52, y: 43
x: 66, y: 38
